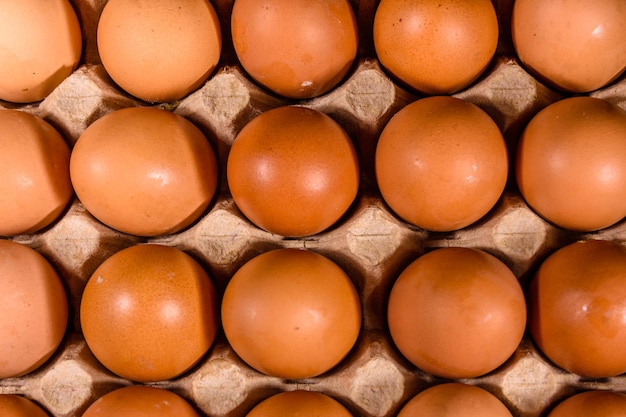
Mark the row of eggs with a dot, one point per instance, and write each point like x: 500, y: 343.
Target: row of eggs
x: 455, y: 313
x: 160, y: 51
x: 441, y: 164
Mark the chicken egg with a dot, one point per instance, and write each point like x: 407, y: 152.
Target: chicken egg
x: 148, y: 312
x: 454, y: 399
x: 19, y: 406
x: 575, y: 46
x: 34, y: 173
x: 291, y: 313
x: 159, y: 50
x: 293, y: 171
x: 144, y: 171
x: 299, y: 403
x: 33, y: 309
x: 577, y: 305
x: 441, y: 163
x: 435, y: 47
x: 571, y: 163
x: 40, y: 46
x: 297, y: 48
x: 591, y: 404
x: 140, y: 401
x: 457, y: 313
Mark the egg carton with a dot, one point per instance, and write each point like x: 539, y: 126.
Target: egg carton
x: 370, y: 242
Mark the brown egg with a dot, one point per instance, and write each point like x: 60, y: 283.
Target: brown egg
x: 454, y: 399
x: 441, y: 163
x: 33, y: 309
x: 144, y: 171
x: 40, y: 46
x: 591, y: 404
x: 457, y: 313
x: 299, y: 403
x: 572, y: 45
x: 159, y: 50
x: 293, y: 171
x: 140, y: 401
x: 435, y: 47
x: 296, y: 48
x: 18, y: 406
x: 571, y: 163
x: 577, y: 305
x: 291, y: 313
x: 149, y: 313
x: 34, y: 173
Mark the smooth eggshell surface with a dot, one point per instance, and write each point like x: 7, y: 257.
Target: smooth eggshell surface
x: 159, y: 50
x: 577, y: 308
x: 149, y: 312
x: 33, y: 309
x: 573, y: 45
x: 299, y: 403
x: 296, y: 48
x: 140, y: 401
x: 18, y: 406
x: 291, y: 313
x: 441, y: 163
x: 34, y: 173
x: 591, y: 404
x: 144, y: 171
x: 457, y: 313
x: 571, y: 163
x: 40, y: 46
x: 293, y: 171
x: 435, y: 47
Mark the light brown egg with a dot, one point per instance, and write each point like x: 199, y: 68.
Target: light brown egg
x: 18, y: 406
x: 571, y: 163
x: 33, y: 309
x: 591, y: 404
x: 435, y: 47
x: 577, y: 305
x: 144, y: 171
x: 299, y: 403
x: 296, y: 48
x: 441, y: 163
x: 40, y: 46
x: 34, y: 173
x: 291, y: 313
x: 457, y: 313
x: 454, y: 399
x: 293, y: 171
x: 159, y: 50
x: 149, y: 313
x: 141, y: 401
x: 573, y: 45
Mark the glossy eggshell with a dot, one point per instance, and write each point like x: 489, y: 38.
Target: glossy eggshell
x: 572, y: 45
x: 591, y: 404
x: 441, y: 163
x: 454, y: 400
x: 435, y: 47
x: 571, y: 163
x: 140, y: 401
x: 159, y: 50
x: 299, y: 403
x: 141, y: 304
x: 40, y: 46
x: 144, y: 171
x: 293, y: 171
x: 34, y: 173
x: 291, y: 313
x: 577, y: 308
x: 33, y: 309
x: 18, y: 406
x: 296, y: 48
x: 457, y: 313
